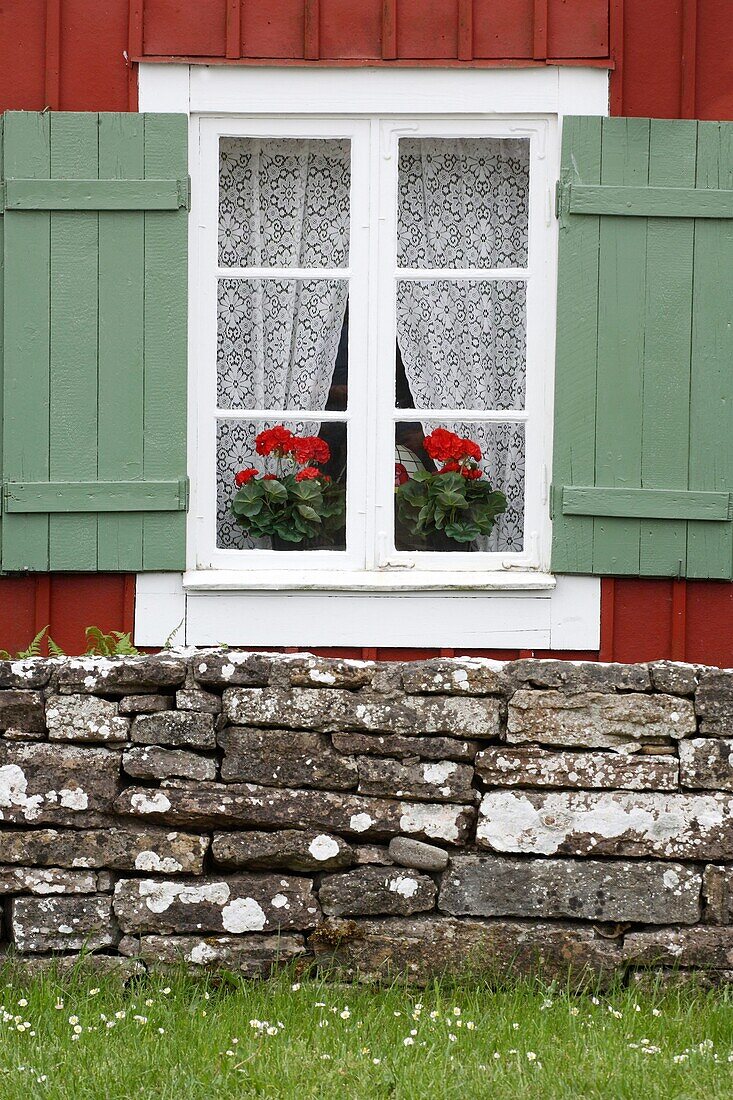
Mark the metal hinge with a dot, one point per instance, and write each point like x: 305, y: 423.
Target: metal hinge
x: 184, y: 193
x: 184, y: 494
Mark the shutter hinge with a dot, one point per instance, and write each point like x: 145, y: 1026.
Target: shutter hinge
x: 184, y: 492
x: 555, y: 498
x: 562, y: 202
x: 184, y: 193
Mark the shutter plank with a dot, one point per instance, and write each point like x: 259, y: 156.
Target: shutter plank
x: 575, y: 392
x: 668, y: 324
x: 165, y: 345
x: 710, y: 549
x: 73, y: 375
x: 121, y: 353
x: 27, y: 339
x: 621, y: 315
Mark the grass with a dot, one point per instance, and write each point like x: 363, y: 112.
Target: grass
x: 178, y: 1038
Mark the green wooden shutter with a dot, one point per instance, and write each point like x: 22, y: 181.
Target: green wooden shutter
x: 643, y: 466
x: 94, y: 365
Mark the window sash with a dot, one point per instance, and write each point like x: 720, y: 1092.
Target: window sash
x: 372, y: 276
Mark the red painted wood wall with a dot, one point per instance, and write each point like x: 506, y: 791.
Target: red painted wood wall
x: 669, y: 58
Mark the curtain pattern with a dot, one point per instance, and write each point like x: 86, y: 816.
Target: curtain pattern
x: 464, y: 203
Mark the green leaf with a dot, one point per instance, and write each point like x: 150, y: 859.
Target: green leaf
x: 275, y: 489
x: 307, y: 512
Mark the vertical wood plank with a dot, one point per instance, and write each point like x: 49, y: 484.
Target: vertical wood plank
x: 577, y: 337
x: 667, y: 334
x: 688, y: 60
x: 41, y: 603
x: 621, y: 316
x: 678, y: 642
x: 710, y: 545
x: 608, y: 619
x: 234, y: 28
x: 465, y: 30
x: 539, y: 30
x: 312, y: 30
x: 616, y: 35
x: 134, y: 49
x: 165, y: 340
x: 389, y: 30
x: 27, y: 144
x: 74, y: 319
x: 2, y: 313
x: 52, y: 81
x: 121, y: 323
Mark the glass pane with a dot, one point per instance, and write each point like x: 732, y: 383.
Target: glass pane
x: 463, y: 202
x: 282, y: 344
x: 462, y: 522
x: 307, y: 509
x: 284, y: 202
x: 461, y: 344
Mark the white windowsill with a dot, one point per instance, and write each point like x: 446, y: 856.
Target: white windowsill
x: 402, y: 580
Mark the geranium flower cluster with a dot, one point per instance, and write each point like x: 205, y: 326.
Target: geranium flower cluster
x: 307, y: 452
x: 457, y: 454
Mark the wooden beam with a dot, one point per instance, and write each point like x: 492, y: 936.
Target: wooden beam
x: 688, y: 60
x: 312, y: 31
x: 234, y: 29
x: 465, y: 30
x: 616, y: 29
x: 52, y: 87
x: 39, y: 497
x: 646, y: 202
x: 389, y: 30
x: 134, y: 48
x: 38, y: 194
x: 645, y: 503
x: 539, y: 32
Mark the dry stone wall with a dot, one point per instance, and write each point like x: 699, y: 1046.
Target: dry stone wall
x: 248, y: 809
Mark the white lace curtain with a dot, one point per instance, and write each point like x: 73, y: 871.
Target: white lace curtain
x: 463, y: 203
x: 282, y: 203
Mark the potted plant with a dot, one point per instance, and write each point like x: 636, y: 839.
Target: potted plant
x: 453, y: 504
x: 295, y: 503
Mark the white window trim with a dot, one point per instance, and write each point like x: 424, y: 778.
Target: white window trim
x: 493, y: 609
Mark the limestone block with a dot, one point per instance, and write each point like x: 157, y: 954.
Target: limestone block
x: 601, y: 890
x: 707, y: 763
x: 616, y: 823
x: 594, y: 720
x: 286, y: 849
x: 306, y: 670
x: 714, y: 695
x: 284, y: 758
x: 153, y: 763
x: 143, y: 849
x: 454, y: 676
x: 148, y: 672
x: 145, y: 704
x: 240, y: 903
x: 84, y: 718
x: 251, y: 956
x: 180, y: 729
x: 28, y: 673
x: 531, y: 766
x: 674, y: 678
x: 44, y: 881
x: 205, y: 702
x: 371, y: 891
x: 417, y: 854
x: 707, y: 948
x: 718, y: 894
x: 57, y: 784
x: 40, y: 925
x: 399, y: 746
x: 435, y: 781
x: 229, y: 668
x: 22, y: 710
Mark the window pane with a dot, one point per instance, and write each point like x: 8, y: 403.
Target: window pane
x: 236, y: 450
x: 501, y: 465
x: 282, y: 344
x: 463, y: 202
x: 283, y: 202
x: 461, y: 344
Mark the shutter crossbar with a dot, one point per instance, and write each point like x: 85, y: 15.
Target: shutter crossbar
x: 580, y: 500
x: 149, y: 194
x: 95, y: 496
x: 644, y: 202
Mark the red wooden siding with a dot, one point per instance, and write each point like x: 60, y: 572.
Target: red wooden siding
x: 673, y: 58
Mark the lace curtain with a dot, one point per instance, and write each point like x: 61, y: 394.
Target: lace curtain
x: 282, y: 203
x: 464, y: 203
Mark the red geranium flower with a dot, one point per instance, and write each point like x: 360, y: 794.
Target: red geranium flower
x: 450, y: 468
x: 400, y: 474
x: 244, y: 476
x: 442, y: 445
x: 469, y: 449
x: 311, y: 448
x: 270, y: 477
x: 279, y: 439
x: 471, y: 472
x: 308, y: 473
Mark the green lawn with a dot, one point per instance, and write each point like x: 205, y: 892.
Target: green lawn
x: 182, y: 1039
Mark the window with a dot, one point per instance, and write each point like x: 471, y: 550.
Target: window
x: 368, y: 281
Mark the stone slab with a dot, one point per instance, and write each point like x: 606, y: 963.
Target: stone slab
x: 40, y: 925
x: 417, y: 854
x: 234, y: 904
x: 400, y: 746
x: 143, y: 849
x: 84, y: 964
x: 613, y: 823
x: 423, y: 948
x: 43, y: 881
x: 152, y: 763
x: 26, y: 673
x: 532, y: 766
x: 455, y: 676
x: 707, y: 948
x: 577, y: 676
x: 85, y: 718
x: 706, y: 763
x: 301, y: 670
x: 371, y: 891
x: 718, y: 894
x: 284, y: 758
x: 434, y: 781
x: 205, y: 702
x: 251, y: 956
x: 145, y: 704
x: 229, y: 668
x: 21, y: 709
x: 175, y: 728
x: 674, y: 678
x: 121, y: 675
x: 285, y: 849
x: 594, y: 720
x: 600, y: 890
x: 251, y: 806
x: 57, y: 784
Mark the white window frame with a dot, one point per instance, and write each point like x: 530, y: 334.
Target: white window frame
x: 512, y: 608
x: 372, y: 275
